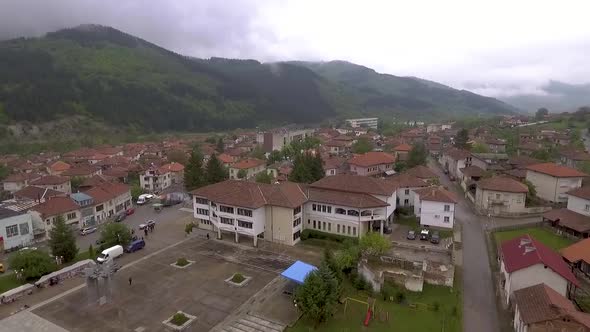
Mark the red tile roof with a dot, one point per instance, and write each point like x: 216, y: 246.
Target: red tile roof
x: 248, y: 163
x: 372, y: 159
x: 403, y: 147
x: 556, y: 170
x: 404, y: 180
x: 225, y: 158
x: 50, y: 180
x: 456, y: 154
x: 356, y: 184
x: 355, y: 200
x: 421, y: 172
x: 82, y: 170
x: 579, y: 251
x: 582, y: 192
x: 56, y: 205
x: 21, y: 177
x: 524, y: 251
x: 504, y: 184
x: 436, y: 194
x: 473, y: 171
x: 171, y: 167
x: 59, y: 166
x: 35, y: 193
x: 106, y: 191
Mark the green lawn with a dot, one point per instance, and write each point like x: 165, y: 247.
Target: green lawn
x: 321, y: 243
x: 402, y: 317
x: 544, y: 236
x: 8, y: 282
x: 413, y: 223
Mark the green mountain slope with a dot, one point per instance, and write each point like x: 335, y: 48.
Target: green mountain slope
x: 112, y: 77
x: 556, y: 96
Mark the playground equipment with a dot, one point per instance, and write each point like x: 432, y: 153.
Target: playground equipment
x: 370, y: 303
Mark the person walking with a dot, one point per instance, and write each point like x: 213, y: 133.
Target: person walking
x: 130, y: 280
x: 207, y: 236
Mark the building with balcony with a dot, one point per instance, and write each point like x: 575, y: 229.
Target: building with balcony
x: 347, y: 205
x: 553, y: 181
x: 372, y: 164
x: 500, y: 194
x: 363, y: 122
x: 435, y: 207
x: 156, y: 179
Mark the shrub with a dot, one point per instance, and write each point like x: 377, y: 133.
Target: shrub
x: 436, y: 306
x: 178, y: 319
x: 387, y: 291
x: 400, y: 297
x: 238, y: 278
x: 313, y: 234
x: 359, y: 282
x: 182, y: 261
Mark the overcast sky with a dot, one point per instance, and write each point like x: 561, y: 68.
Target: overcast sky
x: 493, y: 47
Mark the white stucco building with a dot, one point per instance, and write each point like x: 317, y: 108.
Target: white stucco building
x: 553, y: 181
x: 435, y: 207
x: 16, y: 229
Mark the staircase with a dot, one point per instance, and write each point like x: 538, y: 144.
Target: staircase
x: 251, y: 323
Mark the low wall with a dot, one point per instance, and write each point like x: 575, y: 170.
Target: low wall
x: 15, y: 293
x: 422, y: 247
x: 526, y: 213
x: 65, y: 273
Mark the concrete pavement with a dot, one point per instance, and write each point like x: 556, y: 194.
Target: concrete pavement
x: 479, y: 302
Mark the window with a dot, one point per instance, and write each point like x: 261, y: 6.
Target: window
x: 297, y: 210
x: 205, y: 222
x: 226, y: 209
x: 245, y: 212
x: 24, y: 229
x: 201, y: 200
x: 227, y: 221
x: 340, y: 211
x: 354, y: 213
x: 308, y: 221
x: 99, y: 208
x: 324, y: 208
x: 447, y: 208
x: 314, y: 224
x: 338, y: 228
x: 329, y: 227
x: 245, y: 224
x: 71, y: 216
x: 447, y: 219
x: 313, y: 207
x: 407, y: 191
x: 203, y: 212
x: 296, y: 222
x: 406, y: 201
x: 324, y: 225
x: 11, y: 230
x: 213, y: 205
x: 145, y: 178
x: 348, y: 230
x: 296, y: 235
x: 354, y: 231
x: 587, y: 208
x: 498, y: 196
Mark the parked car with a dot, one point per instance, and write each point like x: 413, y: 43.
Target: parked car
x: 87, y: 230
x: 130, y: 211
x: 147, y: 224
x: 435, y: 238
x: 424, y: 234
x: 110, y: 253
x: 135, y: 246
x: 27, y: 248
x: 120, y: 217
x: 144, y: 198
x: 411, y: 235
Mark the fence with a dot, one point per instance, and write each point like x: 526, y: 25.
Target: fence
x: 65, y: 273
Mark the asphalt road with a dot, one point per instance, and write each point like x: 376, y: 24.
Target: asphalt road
x: 479, y: 303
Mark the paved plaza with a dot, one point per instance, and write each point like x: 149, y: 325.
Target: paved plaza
x: 158, y: 290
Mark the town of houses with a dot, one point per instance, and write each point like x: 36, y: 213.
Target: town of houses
x: 359, y: 193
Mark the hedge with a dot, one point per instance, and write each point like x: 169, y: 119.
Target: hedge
x: 313, y: 234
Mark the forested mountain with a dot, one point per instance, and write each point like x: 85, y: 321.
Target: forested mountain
x: 104, y: 74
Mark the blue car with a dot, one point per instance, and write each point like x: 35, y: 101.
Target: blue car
x: 135, y: 246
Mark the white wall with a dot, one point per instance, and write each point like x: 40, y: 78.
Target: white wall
x: 401, y: 194
x: 534, y: 275
x: 433, y: 214
x: 551, y: 188
x: 579, y: 205
x: 24, y: 235
x: 512, y: 202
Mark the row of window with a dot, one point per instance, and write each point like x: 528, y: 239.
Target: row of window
x: 321, y: 208
x: 445, y: 220
x: 321, y: 225
x: 203, y: 212
x: 201, y: 201
x: 12, y: 230
x: 297, y: 210
x: 241, y: 223
x: 296, y: 222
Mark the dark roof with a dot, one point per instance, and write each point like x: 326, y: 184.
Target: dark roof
x: 473, y: 171
x: 576, y: 155
x: 540, y: 303
x: 20, y: 177
x: 421, y: 172
x: 456, y: 154
x: 356, y: 184
x: 516, y: 173
x: 50, y: 180
x: 34, y: 193
x: 7, y: 213
x: 523, y: 161
x: 582, y: 192
x: 555, y: 170
x: 524, y: 251
x: 404, y: 180
x: 355, y: 200
x: 436, y: 194
x: 81, y: 170
x: 569, y: 219
x: 502, y: 183
x: 106, y: 191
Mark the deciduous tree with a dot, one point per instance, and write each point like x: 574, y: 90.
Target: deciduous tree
x: 417, y: 156
x: 264, y: 177
x: 362, y: 145
x: 374, y: 244
x: 115, y: 233
x: 32, y: 264
x: 62, y: 240
x: 462, y: 139
x: 317, y: 298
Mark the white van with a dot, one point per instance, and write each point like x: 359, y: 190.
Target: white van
x: 110, y: 253
x: 144, y: 198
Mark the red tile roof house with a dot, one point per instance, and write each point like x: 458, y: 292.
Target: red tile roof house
x: 109, y: 199
x: 372, y: 164
x: 401, y: 151
x: 18, y: 181
x: 82, y: 171
x: 453, y: 159
x: 55, y: 182
x: 540, y: 308
x: 575, y: 219
x: 578, y: 256
x: 422, y: 172
x: 553, y: 181
x: 406, y: 183
x: 58, y: 167
x: 53, y: 207
x: 251, y: 167
x: 435, y: 206
x: 176, y: 171
x: 526, y: 262
x: 500, y: 195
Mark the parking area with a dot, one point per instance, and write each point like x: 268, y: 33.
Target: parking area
x: 158, y: 290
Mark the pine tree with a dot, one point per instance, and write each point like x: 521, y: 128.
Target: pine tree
x: 62, y: 241
x: 301, y: 171
x: 417, y: 156
x: 462, y: 138
x: 215, y: 171
x: 220, y: 146
x: 317, y: 168
x: 193, y: 173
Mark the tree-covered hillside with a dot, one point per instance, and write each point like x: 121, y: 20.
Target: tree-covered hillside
x: 107, y: 75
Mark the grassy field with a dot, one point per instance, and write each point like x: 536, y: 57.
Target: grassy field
x: 413, y: 223
x: 544, y: 236
x: 321, y: 243
x: 421, y: 316
x: 8, y: 282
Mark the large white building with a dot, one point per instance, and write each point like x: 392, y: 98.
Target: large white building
x: 363, y: 122
x: 553, y: 181
x: 16, y: 229
x: 435, y: 207
x: 347, y: 205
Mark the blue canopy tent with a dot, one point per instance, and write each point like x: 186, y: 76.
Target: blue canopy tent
x: 298, y: 271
